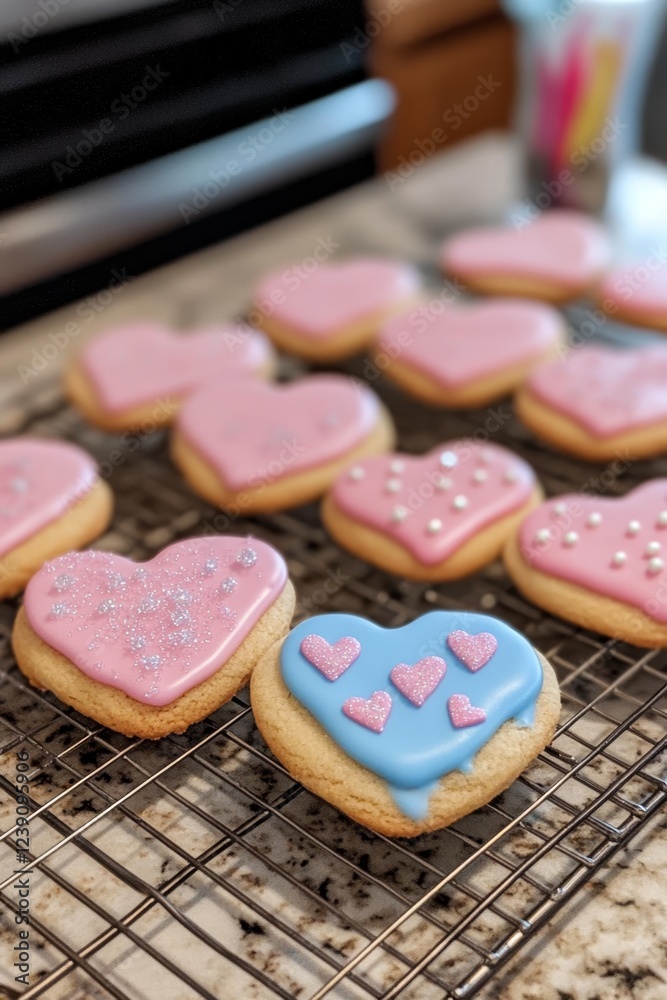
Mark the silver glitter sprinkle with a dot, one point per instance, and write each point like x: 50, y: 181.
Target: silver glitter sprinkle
x: 18, y: 484
x: 332, y: 419
x: 443, y: 483
x: 653, y: 548
x: 116, y: 581
x: 228, y: 615
x: 184, y: 637
x: 662, y: 519
x: 104, y: 607
x: 594, y: 520
x: 397, y: 465
x: 60, y: 609
x: 618, y: 558
x: 148, y: 603
x: 228, y: 585
x: 460, y: 502
x: 399, y: 514
x: 141, y: 573
x: 511, y: 476
x: 181, y: 596
x: 356, y: 473
x: 247, y: 558
x: 63, y: 582
x: 93, y: 645
x: 151, y: 661
x: 480, y: 476
x: 571, y: 538
x: 633, y: 527
x: 137, y: 642
x: 654, y: 565
x: 392, y: 486
x: 560, y: 508
x: 434, y: 526
x: 542, y: 536
x: 181, y: 616
x: 210, y: 567
x: 448, y: 459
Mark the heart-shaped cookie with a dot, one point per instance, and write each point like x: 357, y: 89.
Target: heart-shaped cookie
x: 413, y: 734
x: 599, y: 561
x: 334, y: 296
x: 637, y: 292
x: 450, y: 356
x: 276, y: 446
x: 560, y: 250
x: 138, y: 365
x: 155, y: 631
x: 423, y: 511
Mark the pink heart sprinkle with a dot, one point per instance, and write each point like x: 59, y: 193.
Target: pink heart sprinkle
x: 370, y: 712
x: 474, y: 651
x: 462, y: 713
x: 419, y: 681
x: 332, y: 661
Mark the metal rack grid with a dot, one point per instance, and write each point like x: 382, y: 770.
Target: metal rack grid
x: 196, y: 867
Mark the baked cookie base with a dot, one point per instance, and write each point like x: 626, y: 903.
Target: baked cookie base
x: 522, y: 287
x: 635, y: 317
x: 566, y: 435
x: 480, y: 392
x: 285, y: 492
x: 83, y: 522
x: 149, y: 417
x: 376, y: 548
x: 343, y: 343
x: 583, y: 607
x: 47, y: 669
x: 314, y: 759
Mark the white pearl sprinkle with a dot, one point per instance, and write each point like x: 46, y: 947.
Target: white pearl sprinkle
x: 480, y: 476
x: 448, y: 459
x: 137, y: 642
x: 594, y: 520
x: 511, y: 476
x: 618, y: 558
x: 443, y: 483
x: 654, y: 565
x: 356, y: 473
x: 434, y: 526
x: 653, y: 548
x: 247, y: 558
x: 460, y: 502
x: 571, y: 538
x: 211, y: 566
x: 392, y: 486
x: 399, y: 514
x: 228, y: 585
x: 662, y: 519
x: 542, y: 535
x: 397, y: 465
x: 560, y: 508
x: 633, y: 527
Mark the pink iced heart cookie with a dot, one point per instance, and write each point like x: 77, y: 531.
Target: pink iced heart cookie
x: 474, y: 651
x: 467, y: 355
x: 143, y: 370
x: 333, y: 310
x: 556, y: 256
x: 598, y: 400
x: 419, y: 681
x: 50, y: 499
x: 598, y: 561
x: 261, y: 447
x: 331, y: 660
x: 169, y: 635
x: 637, y: 292
x: 433, y: 517
x: 371, y: 713
x: 462, y: 713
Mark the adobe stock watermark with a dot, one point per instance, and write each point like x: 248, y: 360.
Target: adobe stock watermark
x: 248, y: 149
x: 33, y: 26
x: 376, y: 20
x: 454, y: 117
x: 21, y: 950
x: 291, y: 279
x: 59, y: 340
x: 119, y: 109
x: 580, y: 159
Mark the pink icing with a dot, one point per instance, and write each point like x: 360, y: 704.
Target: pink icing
x: 155, y: 630
x: 331, y: 660
x: 372, y: 713
x: 613, y: 547
x: 419, y: 681
x: 606, y: 391
x: 433, y: 504
x: 560, y: 246
x: 464, y: 343
x: 335, y: 295
x: 138, y: 363
x: 637, y: 288
x: 474, y: 651
x: 254, y: 433
x: 462, y: 713
x: 39, y: 482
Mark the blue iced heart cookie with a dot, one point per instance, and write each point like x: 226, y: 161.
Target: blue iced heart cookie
x: 412, y: 703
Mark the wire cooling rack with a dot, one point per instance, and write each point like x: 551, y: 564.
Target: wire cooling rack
x: 196, y: 867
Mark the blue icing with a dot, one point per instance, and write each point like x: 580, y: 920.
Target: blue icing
x: 418, y: 745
